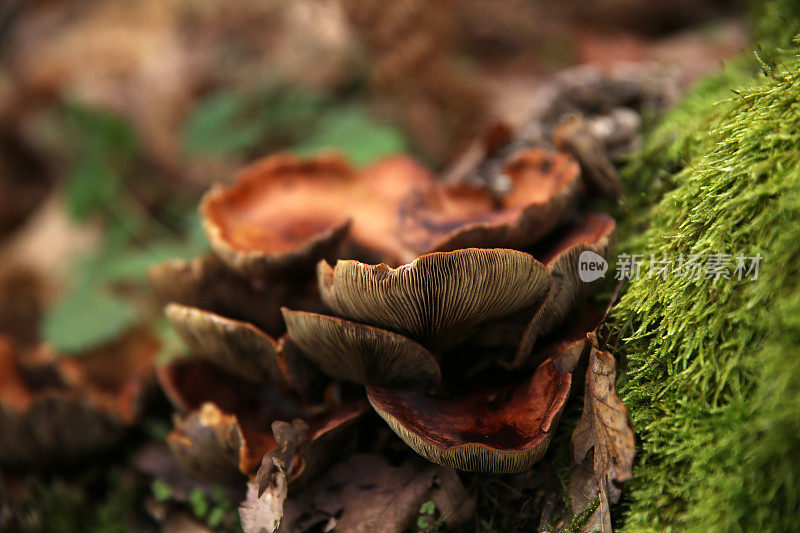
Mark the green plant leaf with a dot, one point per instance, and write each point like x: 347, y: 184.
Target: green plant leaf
x: 232, y: 123
x: 220, y: 126
x: 215, y: 517
x: 199, y: 503
x: 289, y: 112
x: 103, y: 146
x: 352, y: 131
x: 161, y: 490
x: 428, y: 507
x: 132, y: 264
x: 86, y: 317
x: 91, y: 183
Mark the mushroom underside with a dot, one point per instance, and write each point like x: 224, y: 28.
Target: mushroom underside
x: 355, y: 352
x: 438, y: 297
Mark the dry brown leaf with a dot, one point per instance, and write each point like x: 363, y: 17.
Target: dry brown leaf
x: 605, y: 429
x: 583, y: 489
x: 262, y: 511
x: 279, y: 463
x: 367, y: 493
x: 263, y: 514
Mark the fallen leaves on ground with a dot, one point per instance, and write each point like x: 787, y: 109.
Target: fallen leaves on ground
x: 605, y: 433
x: 363, y: 493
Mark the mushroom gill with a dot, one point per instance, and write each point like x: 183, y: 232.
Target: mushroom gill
x: 364, y: 354
x: 439, y: 297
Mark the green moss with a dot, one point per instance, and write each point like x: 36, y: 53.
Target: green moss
x: 711, y: 370
x: 96, y: 502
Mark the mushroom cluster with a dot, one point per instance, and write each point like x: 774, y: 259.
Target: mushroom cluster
x: 55, y: 408
x: 242, y: 377
x: 462, y: 344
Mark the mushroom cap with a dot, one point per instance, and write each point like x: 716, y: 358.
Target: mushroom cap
x: 84, y: 406
x: 228, y: 429
x: 283, y: 214
x: 375, y: 233
x: 268, y: 221
x: 226, y: 432
x: 211, y: 444
x: 438, y: 296
x: 239, y: 347
x: 544, y: 185
x: 208, y: 283
x: 593, y: 233
x: 350, y: 351
x: 499, y: 430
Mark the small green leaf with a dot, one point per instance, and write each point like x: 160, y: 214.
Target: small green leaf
x: 428, y: 507
x: 216, y: 517
x: 422, y: 523
x: 86, y: 317
x: 132, y: 264
x: 198, y: 502
x: 161, y: 490
x: 220, y: 125
x: 352, y: 131
x: 289, y: 111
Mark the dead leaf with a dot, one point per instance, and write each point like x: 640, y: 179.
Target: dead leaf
x: 263, y: 514
x: 605, y: 429
x: 280, y: 462
x: 367, y: 493
x: 262, y: 511
x: 583, y: 489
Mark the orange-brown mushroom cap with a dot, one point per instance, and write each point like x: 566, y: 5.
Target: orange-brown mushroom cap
x: 350, y: 351
x: 270, y: 219
x: 283, y: 213
x: 84, y: 406
x: 206, y: 282
x: 594, y: 233
x: 544, y: 185
x: 499, y: 430
x: 439, y: 296
x: 211, y: 444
